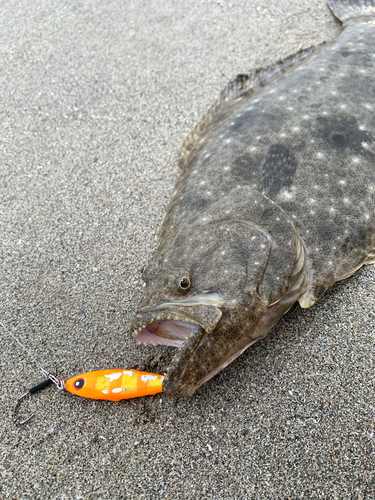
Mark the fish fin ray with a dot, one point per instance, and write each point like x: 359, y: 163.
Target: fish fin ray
x: 370, y: 258
x: 233, y: 96
x: 349, y: 9
x: 314, y: 292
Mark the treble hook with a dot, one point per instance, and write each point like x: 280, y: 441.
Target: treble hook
x: 38, y: 387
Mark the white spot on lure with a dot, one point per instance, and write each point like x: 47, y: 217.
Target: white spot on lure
x: 146, y: 378
x: 113, y: 376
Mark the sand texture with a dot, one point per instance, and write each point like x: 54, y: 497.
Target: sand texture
x: 96, y: 97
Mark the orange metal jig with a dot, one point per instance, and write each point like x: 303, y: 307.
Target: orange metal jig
x: 112, y: 385
x: 115, y: 385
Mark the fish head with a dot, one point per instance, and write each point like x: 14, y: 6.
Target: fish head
x: 207, y: 291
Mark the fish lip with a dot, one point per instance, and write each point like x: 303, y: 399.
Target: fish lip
x: 173, y: 384
x: 145, y: 319
x: 141, y: 322
x: 203, y: 312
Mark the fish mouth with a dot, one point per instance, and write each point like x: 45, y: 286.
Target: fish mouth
x: 171, y: 332
x: 183, y: 331
x: 173, y: 323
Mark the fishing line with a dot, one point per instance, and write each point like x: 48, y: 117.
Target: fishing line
x: 58, y: 381
x: 112, y: 385
x: 50, y: 378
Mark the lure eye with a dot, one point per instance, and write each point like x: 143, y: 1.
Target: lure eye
x: 79, y: 383
x: 185, y: 283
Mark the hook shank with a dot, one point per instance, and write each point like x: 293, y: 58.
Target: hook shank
x: 38, y: 387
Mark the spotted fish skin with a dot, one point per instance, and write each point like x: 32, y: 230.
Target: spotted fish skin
x: 274, y: 205
x: 320, y: 119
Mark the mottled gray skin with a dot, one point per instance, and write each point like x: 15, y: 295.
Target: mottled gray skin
x: 273, y: 206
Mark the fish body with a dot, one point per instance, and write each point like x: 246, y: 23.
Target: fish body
x: 115, y: 385
x: 274, y: 202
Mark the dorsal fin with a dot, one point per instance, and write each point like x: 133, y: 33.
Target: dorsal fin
x: 350, y: 9
x: 234, y: 94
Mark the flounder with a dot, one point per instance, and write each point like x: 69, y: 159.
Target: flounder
x: 274, y: 202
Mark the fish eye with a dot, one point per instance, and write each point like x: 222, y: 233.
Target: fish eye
x: 79, y: 383
x: 185, y: 283
x: 179, y: 283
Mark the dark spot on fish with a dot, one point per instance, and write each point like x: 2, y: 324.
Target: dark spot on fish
x: 193, y: 200
x: 323, y: 78
x: 299, y: 145
x: 346, y: 241
x: 339, y: 139
x: 277, y: 169
x: 342, y: 132
x: 345, y: 53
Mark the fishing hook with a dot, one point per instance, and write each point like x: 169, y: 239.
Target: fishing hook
x: 38, y: 387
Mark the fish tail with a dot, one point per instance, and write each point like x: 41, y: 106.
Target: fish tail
x: 350, y: 9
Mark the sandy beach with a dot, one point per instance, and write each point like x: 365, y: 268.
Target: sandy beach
x: 96, y: 98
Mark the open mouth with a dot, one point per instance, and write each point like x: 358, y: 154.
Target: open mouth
x: 165, y: 332
x: 168, y: 324
x: 183, y: 328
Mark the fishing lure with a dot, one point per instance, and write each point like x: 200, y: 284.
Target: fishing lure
x: 115, y: 385
x: 112, y: 385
